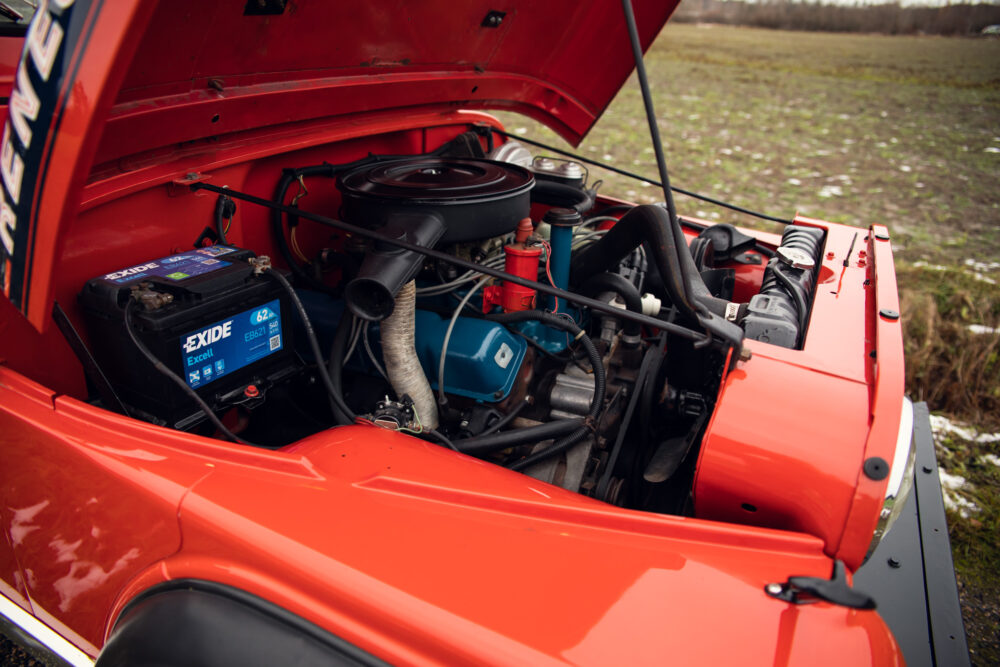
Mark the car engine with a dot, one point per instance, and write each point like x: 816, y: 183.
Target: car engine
x: 492, y: 303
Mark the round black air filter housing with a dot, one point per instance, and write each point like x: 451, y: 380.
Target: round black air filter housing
x: 476, y: 199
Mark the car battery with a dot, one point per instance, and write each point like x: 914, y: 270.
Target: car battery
x: 224, y: 330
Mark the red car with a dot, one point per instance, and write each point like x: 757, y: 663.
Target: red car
x: 305, y: 360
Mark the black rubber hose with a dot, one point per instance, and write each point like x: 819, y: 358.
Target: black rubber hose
x: 794, y: 291
x: 614, y: 282
x: 225, y: 207
x: 336, y: 398
x: 650, y: 226
x: 484, y: 444
x: 506, y: 419
x: 562, y: 195
x: 342, y: 414
x: 600, y: 380
x: 441, y: 438
x: 557, y: 447
x: 162, y: 368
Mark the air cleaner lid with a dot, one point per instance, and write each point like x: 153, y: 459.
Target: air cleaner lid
x: 438, y: 181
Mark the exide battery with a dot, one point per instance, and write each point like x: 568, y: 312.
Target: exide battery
x: 221, y: 329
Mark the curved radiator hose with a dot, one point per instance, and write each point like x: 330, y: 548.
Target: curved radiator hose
x: 649, y: 225
x: 400, y: 355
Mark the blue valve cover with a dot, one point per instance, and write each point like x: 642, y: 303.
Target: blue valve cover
x: 483, y: 357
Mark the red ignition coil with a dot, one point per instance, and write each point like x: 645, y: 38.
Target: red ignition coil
x: 521, y: 261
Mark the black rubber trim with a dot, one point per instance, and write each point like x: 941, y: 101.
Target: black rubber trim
x: 198, y: 623
x: 911, y: 574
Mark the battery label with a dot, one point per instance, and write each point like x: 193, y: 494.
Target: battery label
x: 175, y: 267
x: 228, y: 345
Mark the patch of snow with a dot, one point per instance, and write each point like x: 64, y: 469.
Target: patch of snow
x: 607, y: 157
x: 828, y: 191
x: 905, y: 167
x: 794, y: 181
x: 951, y: 482
x: 520, y: 130
x: 982, y: 329
x: 960, y: 504
x: 953, y: 500
x: 982, y: 266
x: 930, y: 267
x: 991, y: 149
x: 991, y: 458
x: 941, y: 425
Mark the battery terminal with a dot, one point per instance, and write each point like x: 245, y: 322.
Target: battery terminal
x: 260, y: 264
x: 150, y: 299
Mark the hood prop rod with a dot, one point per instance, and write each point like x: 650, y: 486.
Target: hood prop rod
x: 654, y: 134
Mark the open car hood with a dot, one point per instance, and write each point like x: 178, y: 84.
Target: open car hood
x: 110, y: 87
x: 209, y: 69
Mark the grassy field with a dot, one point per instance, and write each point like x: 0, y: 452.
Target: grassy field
x: 861, y: 129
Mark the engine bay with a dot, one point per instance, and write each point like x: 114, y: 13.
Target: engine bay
x: 480, y: 297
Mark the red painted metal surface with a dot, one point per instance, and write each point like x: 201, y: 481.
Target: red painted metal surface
x: 10, y: 52
x: 558, y: 61
x: 835, y: 404
x: 414, y: 553
x: 406, y: 549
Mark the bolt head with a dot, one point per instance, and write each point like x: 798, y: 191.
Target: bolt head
x: 773, y: 589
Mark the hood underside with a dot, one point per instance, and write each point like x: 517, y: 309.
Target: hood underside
x: 207, y: 69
